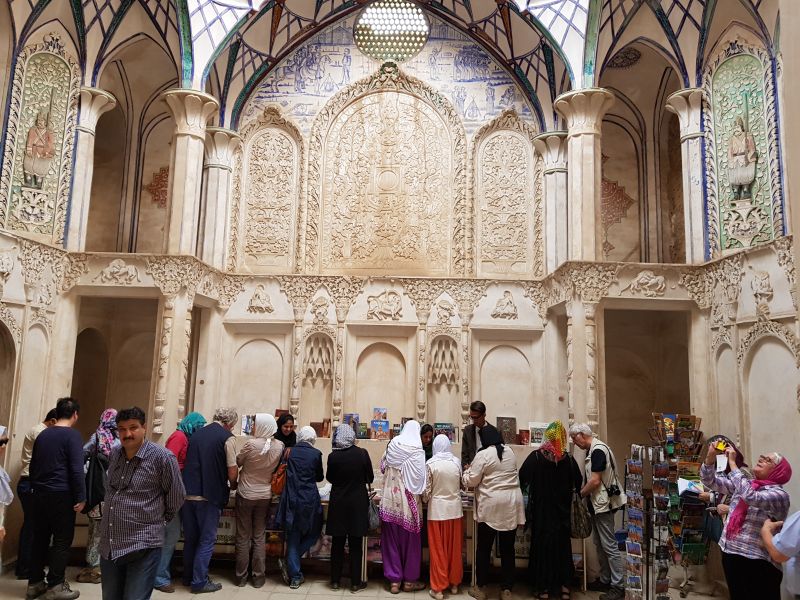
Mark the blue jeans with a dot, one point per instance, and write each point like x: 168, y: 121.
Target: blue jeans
x: 171, y: 536
x: 132, y: 581
x: 298, y: 544
x: 200, y: 522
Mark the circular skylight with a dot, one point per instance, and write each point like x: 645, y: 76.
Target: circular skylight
x: 391, y: 30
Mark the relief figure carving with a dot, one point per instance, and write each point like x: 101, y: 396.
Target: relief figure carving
x: 260, y: 301
x: 505, y: 307
x: 387, y: 306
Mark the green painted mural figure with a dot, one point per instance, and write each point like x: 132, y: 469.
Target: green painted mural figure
x: 742, y: 158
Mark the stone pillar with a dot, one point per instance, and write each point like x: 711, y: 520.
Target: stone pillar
x: 552, y: 147
x: 590, y: 328
x: 173, y: 349
x: 191, y: 110
x: 94, y: 103
x: 570, y: 366
x: 336, y: 418
x: 688, y: 105
x: 220, y: 149
x: 466, y: 381
x: 701, y: 391
x: 584, y: 111
x: 297, y: 361
x: 422, y: 351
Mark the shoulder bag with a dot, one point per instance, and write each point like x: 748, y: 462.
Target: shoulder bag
x: 580, y: 521
x: 278, y: 482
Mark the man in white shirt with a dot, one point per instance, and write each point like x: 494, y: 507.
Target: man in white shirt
x: 782, y: 541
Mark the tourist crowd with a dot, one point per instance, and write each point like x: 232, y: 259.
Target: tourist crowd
x: 139, y: 496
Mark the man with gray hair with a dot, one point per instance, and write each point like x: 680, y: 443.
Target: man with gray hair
x: 209, y: 475
x: 602, y: 487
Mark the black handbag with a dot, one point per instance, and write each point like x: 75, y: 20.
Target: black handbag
x: 96, y: 476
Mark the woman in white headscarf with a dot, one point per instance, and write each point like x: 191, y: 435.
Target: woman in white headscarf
x: 401, y: 516
x: 445, y: 518
x: 300, y: 509
x: 257, y: 460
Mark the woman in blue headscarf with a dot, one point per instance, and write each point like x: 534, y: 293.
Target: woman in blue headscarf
x: 177, y: 443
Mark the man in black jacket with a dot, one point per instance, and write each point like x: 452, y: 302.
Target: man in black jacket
x: 471, y: 440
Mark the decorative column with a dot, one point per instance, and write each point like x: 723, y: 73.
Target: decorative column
x: 584, y: 111
x: 191, y: 110
x: 297, y: 361
x: 422, y: 350
x: 220, y: 149
x: 688, y: 105
x: 590, y: 328
x: 552, y: 147
x: 171, y: 361
x: 94, y: 103
x: 467, y: 370
x: 570, y: 366
x: 341, y: 316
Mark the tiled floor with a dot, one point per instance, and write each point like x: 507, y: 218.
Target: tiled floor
x: 315, y: 588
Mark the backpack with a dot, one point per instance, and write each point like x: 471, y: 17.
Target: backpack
x: 96, y: 475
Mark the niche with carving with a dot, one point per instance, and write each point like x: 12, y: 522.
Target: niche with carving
x: 443, y: 367
x: 318, y: 359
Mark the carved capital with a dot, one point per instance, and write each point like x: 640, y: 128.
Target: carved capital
x: 552, y: 147
x: 94, y: 102
x: 584, y: 110
x: 688, y: 105
x: 220, y: 147
x: 191, y: 110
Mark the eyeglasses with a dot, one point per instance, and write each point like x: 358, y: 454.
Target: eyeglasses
x: 767, y: 459
x: 478, y: 418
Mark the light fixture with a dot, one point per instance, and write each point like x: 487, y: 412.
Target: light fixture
x: 393, y: 30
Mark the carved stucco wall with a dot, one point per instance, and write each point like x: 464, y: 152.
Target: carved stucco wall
x: 739, y: 84
x: 37, y: 165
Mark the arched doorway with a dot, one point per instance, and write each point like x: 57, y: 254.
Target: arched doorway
x: 90, y: 378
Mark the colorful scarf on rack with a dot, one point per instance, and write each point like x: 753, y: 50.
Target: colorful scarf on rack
x: 555, y: 440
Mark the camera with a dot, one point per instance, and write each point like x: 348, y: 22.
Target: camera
x: 613, y: 490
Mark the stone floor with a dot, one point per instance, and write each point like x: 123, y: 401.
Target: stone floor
x: 315, y: 588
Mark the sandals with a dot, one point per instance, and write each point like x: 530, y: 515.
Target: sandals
x: 413, y: 586
x: 395, y: 588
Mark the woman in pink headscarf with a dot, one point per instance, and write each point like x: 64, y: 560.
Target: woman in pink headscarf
x: 746, y: 563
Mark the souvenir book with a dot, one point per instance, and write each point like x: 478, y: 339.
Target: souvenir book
x: 379, y: 429
x: 446, y: 429
x: 507, y: 426
x: 380, y: 414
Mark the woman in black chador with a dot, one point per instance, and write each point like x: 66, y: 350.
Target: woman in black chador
x: 551, y: 476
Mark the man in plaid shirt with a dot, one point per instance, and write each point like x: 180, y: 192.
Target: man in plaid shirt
x: 144, y: 491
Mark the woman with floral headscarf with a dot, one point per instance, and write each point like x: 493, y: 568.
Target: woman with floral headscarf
x: 349, y: 472
x: 178, y: 444
x: 403, y: 465
x: 300, y: 509
x: 551, y: 477
x: 101, y: 442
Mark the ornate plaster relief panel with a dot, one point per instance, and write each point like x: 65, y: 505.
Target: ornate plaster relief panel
x: 269, y: 185
x: 745, y: 196
x: 508, y: 200
x: 387, y: 182
x: 37, y: 165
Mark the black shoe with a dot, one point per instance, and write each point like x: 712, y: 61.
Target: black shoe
x: 284, y: 571
x: 598, y: 586
x: 615, y: 593
x: 259, y: 581
x: 335, y: 586
x: 208, y: 588
x: 354, y: 589
x: 242, y: 581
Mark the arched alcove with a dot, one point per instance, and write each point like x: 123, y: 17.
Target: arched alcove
x: 316, y: 395
x: 728, y: 406
x: 128, y: 207
x: 642, y: 182
x: 444, y: 381
x: 771, y: 378
x: 507, y: 383
x: 8, y: 359
x: 90, y: 378
x: 256, y: 361
x: 381, y: 382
